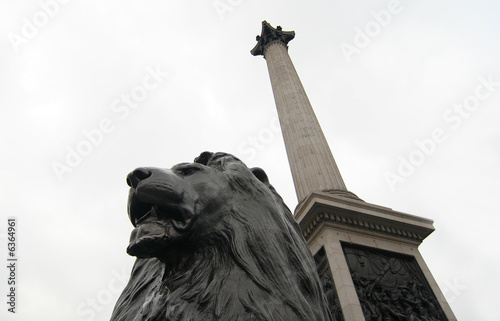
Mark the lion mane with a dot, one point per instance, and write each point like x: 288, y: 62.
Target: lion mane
x: 215, y: 241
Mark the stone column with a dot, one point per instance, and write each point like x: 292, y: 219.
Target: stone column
x: 334, y: 220
x: 311, y: 161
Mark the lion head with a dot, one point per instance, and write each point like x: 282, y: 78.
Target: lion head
x: 214, y: 241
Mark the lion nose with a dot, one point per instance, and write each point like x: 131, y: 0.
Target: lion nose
x: 136, y: 176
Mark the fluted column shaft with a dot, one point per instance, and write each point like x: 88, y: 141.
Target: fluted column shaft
x: 311, y: 161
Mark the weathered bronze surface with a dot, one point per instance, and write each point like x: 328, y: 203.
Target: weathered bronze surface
x: 214, y: 241
x: 326, y: 277
x: 391, y: 286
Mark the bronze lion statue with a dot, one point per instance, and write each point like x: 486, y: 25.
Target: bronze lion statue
x: 214, y: 241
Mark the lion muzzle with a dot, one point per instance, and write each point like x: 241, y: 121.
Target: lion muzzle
x: 159, y: 208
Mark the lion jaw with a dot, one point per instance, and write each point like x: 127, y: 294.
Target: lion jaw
x: 159, y: 208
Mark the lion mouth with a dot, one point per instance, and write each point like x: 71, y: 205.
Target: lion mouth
x: 155, y: 225
x: 142, y: 212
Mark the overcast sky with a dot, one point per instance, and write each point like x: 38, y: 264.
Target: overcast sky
x: 407, y: 93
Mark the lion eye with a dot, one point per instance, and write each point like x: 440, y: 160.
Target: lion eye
x: 186, y: 171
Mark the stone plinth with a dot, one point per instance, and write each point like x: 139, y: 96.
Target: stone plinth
x: 331, y: 221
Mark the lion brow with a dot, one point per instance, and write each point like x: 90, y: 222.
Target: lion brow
x: 222, y: 159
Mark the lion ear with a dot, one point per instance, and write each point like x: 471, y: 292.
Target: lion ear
x: 203, y: 158
x: 260, y: 174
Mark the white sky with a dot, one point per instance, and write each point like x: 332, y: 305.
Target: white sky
x: 64, y: 77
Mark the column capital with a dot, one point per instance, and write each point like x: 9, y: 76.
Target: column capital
x: 270, y: 34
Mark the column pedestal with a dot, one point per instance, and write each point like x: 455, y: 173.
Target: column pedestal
x: 373, y: 257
